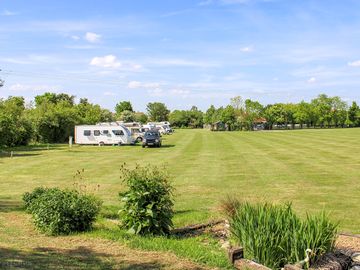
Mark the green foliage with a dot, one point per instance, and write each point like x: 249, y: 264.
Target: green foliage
x: 141, y: 117
x: 157, y: 111
x: 192, y: 118
x: 273, y: 235
x: 90, y: 114
x: 30, y: 197
x: 354, y: 114
x: 123, y: 106
x: 58, y: 211
x: 148, y: 203
x: 127, y: 116
x: 15, y: 127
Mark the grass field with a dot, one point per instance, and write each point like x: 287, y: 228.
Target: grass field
x: 315, y: 169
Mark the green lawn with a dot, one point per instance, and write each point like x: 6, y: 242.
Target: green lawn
x: 315, y: 169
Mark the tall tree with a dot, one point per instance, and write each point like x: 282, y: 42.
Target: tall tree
x: 157, y: 111
x: 123, y: 106
x: 210, y: 115
x: 354, y: 114
x: 15, y: 127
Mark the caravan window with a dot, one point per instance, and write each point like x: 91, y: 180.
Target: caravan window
x: 105, y: 132
x: 87, y: 132
x: 96, y: 132
x: 118, y: 132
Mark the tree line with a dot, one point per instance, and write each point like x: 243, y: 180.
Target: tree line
x: 51, y: 117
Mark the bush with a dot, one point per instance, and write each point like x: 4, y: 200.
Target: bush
x: 148, y: 202
x: 273, y: 235
x: 30, y: 197
x: 58, y: 211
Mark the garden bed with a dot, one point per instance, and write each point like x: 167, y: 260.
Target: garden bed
x: 346, y: 246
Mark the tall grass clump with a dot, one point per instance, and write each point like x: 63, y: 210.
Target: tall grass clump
x: 57, y: 211
x: 274, y: 235
x: 148, y: 202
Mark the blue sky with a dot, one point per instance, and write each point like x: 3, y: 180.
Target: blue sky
x: 183, y: 52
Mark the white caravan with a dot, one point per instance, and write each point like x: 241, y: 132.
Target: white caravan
x: 162, y: 127
x: 102, y: 134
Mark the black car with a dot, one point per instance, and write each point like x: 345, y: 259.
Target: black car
x: 151, y: 138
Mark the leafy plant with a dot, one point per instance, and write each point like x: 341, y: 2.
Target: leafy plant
x: 30, y: 197
x: 58, y: 211
x: 148, y: 202
x: 274, y: 235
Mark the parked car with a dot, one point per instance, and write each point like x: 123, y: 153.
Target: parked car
x: 151, y: 138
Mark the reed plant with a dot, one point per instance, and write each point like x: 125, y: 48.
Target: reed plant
x: 274, y: 235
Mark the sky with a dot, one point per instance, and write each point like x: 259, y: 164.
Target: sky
x: 182, y: 53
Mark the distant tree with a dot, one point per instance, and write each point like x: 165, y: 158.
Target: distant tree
x: 210, y: 115
x: 322, y: 109
x: 127, y: 116
x: 179, y: 118
x: 354, y: 114
x: 253, y: 110
x: 227, y: 115
x: 303, y: 113
x: 195, y: 117
x: 54, y: 122
x: 141, y: 117
x: 15, y: 127
x: 54, y: 98
x: 157, y: 111
x: 237, y: 102
x: 123, y: 106
x: 91, y: 114
x: 339, y: 112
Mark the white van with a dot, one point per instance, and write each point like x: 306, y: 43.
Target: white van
x: 102, y: 134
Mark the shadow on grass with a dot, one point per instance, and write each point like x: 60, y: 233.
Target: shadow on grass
x: 78, y: 258
x: 16, y: 154
x: 167, y: 145
x: 7, y: 206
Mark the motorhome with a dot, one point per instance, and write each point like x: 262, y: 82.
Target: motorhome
x: 103, y: 134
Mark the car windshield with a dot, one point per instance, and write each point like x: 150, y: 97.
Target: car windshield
x: 151, y: 133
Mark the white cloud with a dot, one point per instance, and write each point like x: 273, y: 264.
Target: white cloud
x: 156, y: 92
x: 74, y: 37
x: 354, y: 64
x: 137, y: 85
x: 312, y: 80
x: 180, y: 92
x: 8, y: 13
x: 92, y: 37
x: 247, y: 49
x: 181, y: 62
x: 33, y: 88
x: 108, y: 61
x: 110, y: 94
x: 80, y: 47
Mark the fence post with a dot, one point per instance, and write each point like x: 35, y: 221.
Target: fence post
x: 70, y: 141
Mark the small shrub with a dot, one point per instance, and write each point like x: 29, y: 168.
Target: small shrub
x: 29, y: 197
x: 148, y: 203
x: 58, y: 211
x: 273, y: 235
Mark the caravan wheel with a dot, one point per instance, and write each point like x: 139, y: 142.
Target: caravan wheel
x: 101, y: 143
x: 119, y: 143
